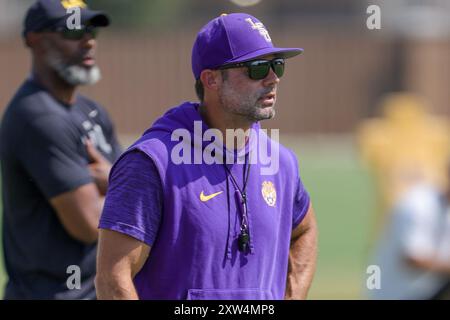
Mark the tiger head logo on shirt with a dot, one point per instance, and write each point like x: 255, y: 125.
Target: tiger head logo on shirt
x: 269, y: 193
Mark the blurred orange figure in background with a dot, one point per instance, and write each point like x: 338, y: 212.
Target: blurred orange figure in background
x: 405, y: 146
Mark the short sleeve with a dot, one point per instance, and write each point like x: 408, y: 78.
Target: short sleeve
x: 301, y: 204
x: 134, y: 201
x: 48, y: 150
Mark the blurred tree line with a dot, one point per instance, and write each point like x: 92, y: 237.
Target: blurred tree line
x: 141, y: 13
x: 156, y: 14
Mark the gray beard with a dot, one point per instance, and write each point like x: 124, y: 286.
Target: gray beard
x: 76, y: 75
x: 73, y: 74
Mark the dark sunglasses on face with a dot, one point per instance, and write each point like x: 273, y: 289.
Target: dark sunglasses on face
x: 75, y: 34
x: 259, y: 69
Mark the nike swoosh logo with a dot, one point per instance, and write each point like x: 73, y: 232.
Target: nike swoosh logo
x: 204, y: 198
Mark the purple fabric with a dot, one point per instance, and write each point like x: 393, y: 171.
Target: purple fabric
x: 231, y: 38
x: 194, y: 252
x: 134, y: 191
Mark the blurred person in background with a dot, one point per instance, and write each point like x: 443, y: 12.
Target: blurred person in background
x: 407, y: 145
x: 413, y: 253
x: 57, y: 147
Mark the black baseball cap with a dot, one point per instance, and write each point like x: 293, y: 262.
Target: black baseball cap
x: 45, y: 14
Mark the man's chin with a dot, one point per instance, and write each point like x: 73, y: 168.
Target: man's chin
x: 265, y: 113
x: 80, y: 75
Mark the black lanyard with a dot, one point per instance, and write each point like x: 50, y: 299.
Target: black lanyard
x: 244, y: 237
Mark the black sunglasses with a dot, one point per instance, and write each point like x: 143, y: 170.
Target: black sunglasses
x: 259, y: 69
x: 75, y: 34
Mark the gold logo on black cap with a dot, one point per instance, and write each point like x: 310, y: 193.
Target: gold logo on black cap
x: 73, y: 3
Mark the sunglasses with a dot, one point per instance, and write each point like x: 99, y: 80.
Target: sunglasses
x: 259, y: 69
x: 75, y: 34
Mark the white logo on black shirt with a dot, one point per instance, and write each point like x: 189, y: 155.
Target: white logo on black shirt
x: 95, y: 134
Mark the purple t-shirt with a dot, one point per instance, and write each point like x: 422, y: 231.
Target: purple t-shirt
x: 136, y: 179
x: 193, y: 238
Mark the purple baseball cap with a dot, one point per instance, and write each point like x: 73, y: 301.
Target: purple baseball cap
x: 232, y: 38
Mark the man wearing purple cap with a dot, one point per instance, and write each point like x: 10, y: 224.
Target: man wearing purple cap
x: 192, y: 212
x: 56, y: 150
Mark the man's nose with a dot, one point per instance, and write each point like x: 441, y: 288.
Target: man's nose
x: 88, y: 41
x: 271, y: 79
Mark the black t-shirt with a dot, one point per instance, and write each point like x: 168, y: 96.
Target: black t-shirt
x: 43, y: 155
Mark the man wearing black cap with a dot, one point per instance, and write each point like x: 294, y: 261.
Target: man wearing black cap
x: 56, y: 149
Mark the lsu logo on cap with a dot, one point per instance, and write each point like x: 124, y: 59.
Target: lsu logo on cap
x: 260, y: 27
x: 73, y: 3
x: 269, y: 193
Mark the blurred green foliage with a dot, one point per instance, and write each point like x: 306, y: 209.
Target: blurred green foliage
x: 141, y: 13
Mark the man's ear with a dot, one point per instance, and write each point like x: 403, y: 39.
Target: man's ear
x: 32, y: 39
x: 210, y: 79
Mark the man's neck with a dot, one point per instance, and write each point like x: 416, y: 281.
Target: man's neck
x: 57, y: 87
x: 215, y: 118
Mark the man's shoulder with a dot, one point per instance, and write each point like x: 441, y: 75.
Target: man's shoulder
x: 421, y: 198
x: 286, y: 155
x: 155, y: 144
x: 95, y: 108
x: 29, y: 106
x: 28, y: 102
x: 90, y: 102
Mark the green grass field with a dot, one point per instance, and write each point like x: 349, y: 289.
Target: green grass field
x: 343, y: 200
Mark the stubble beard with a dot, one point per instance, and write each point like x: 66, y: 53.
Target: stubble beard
x: 247, y: 106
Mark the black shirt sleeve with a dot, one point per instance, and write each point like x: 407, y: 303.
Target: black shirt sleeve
x: 49, y: 152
